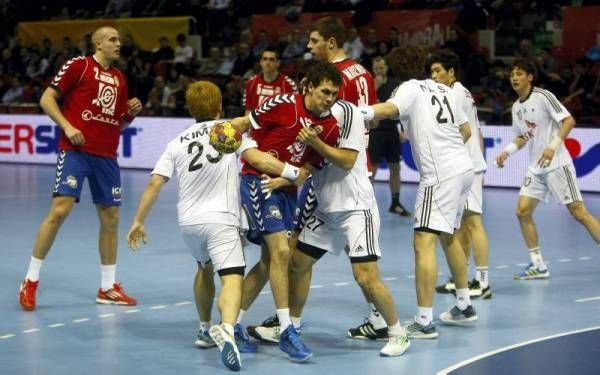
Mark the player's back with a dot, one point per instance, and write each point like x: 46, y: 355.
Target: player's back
x: 208, y: 181
x: 431, y: 118
x: 358, y: 85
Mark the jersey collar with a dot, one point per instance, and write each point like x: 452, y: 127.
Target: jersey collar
x: 527, y: 97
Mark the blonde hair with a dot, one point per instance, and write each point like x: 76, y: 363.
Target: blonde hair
x: 203, y: 99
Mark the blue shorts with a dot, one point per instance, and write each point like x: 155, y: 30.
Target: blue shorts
x: 103, y: 175
x: 307, y: 204
x: 265, y: 216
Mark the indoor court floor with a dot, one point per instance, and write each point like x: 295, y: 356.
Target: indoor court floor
x: 528, y: 327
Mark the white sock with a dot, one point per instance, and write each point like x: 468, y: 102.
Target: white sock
x: 375, y: 317
x: 284, y: 318
x: 481, y: 275
x: 425, y: 316
x: 536, y: 258
x: 205, y: 326
x: 296, y: 321
x: 228, y: 328
x: 33, y: 272
x: 396, y: 330
x: 108, y: 276
x: 462, y: 298
x: 240, y: 315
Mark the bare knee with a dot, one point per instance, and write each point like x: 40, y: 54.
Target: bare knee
x: 59, y: 212
x: 365, y: 280
x: 578, y: 211
x: 109, y: 218
x: 524, y: 213
x: 280, y: 255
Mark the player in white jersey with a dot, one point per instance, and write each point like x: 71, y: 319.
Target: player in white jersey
x: 346, y: 218
x: 444, y: 66
x: 541, y: 121
x: 208, y: 211
x: 437, y: 130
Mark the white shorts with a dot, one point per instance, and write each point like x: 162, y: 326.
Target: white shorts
x: 560, y: 181
x: 218, y: 243
x: 440, y: 207
x: 357, y: 232
x: 475, y: 197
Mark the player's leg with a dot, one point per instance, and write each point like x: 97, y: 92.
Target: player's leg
x: 583, y: 216
x: 393, y: 156
x: 479, y: 240
x: 204, y: 294
x: 256, y: 279
x: 301, y: 266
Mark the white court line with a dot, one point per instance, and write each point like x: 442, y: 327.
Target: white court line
x: 265, y: 292
x: 131, y: 311
x: 158, y: 307
x: 584, y: 258
x: 390, y: 278
x: 589, y: 299
x: 522, y: 264
x: 106, y: 315
x: 517, y: 345
x: 564, y: 260
x: 501, y: 267
x: 56, y: 325
x: 80, y: 320
x: 316, y: 286
x: 183, y: 303
x: 32, y: 330
x: 7, y: 336
x: 340, y: 284
x: 410, y: 276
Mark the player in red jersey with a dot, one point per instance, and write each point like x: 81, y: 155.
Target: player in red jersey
x: 269, y: 83
x: 275, y: 127
x: 94, y: 110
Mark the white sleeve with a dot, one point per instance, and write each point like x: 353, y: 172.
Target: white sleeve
x: 165, y: 166
x: 515, y: 125
x: 403, y: 97
x: 352, y: 126
x: 554, y: 107
x: 247, y: 142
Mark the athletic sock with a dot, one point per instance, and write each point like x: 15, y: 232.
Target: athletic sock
x: 536, y: 258
x: 284, y: 318
x: 33, y: 272
x: 396, y: 330
x: 296, y: 322
x: 375, y: 317
x: 205, y: 326
x: 108, y: 276
x: 425, y: 316
x: 481, y: 275
x: 462, y: 298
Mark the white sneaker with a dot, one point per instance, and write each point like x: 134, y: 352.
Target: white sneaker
x: 230, y: 356
x: 270, y: 334
x: 395, y: 346
x: 203, y: 340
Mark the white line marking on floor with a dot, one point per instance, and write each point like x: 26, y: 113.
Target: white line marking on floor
x: 183, y: 303
x: 390, y: 278
x: 56, y: 325
x: 106, y: 315
x: 131, y: 311
x: 522, y: 264
x: 340, y: 284
x: 80, y: 320
x: 316, y: 286
x: 7, y: 336
x: 265, y: 292
x: 411, y: 276
x: 488, y: 354
x: 588, y: 299
x: 564, y: 260
x: 32, y: 330
x: 585, y: 258
x: 158, y: 307
x: 501, y: 267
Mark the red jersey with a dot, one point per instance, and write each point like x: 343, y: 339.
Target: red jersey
x: 358, y: 85
x: 258, y: 90
x: 276, y: 125
x: 94, y: 101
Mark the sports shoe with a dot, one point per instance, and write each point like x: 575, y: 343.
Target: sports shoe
x: 203, y: 340
x: 230, y: 356
x: 366, y: 331
x: 415, y: 330
x: 531, y: 272
x: 27, y: 294
x: 446, y: 288
x: 291, y: 344
x: 115, y: 296
x: 459, y: 317
x: 242, y: 340
x: 486, y: 293
x: 400, y: 210
x: 474, y: 289
x: 267, y: 331
x: 395, y: 346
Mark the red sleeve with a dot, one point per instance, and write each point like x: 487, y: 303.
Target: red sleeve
x: 69, y: 75
x: 273, y: 111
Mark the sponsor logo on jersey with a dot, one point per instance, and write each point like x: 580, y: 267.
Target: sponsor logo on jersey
x: 71, y: 182
x: 274, y: 212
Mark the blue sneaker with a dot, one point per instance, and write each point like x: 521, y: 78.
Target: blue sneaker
x: 243, y: 340
x: 203, y: 340
x: 291, y: 343
x: 457, y: 317
x: 230, y: 356
x: 531, y: 272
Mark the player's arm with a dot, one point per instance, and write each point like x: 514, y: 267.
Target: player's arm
x: 465, y: 131
x: 49, y: 103
x: 242, y: 124
x: 379, y: 111
x: 134, y: 107
x: 510, y: 149
x: 566, y: 126
x: 137, y: 231
x: 272, y: 166
x: 481, y: 141
x: 268, y: 184
x: 341, y: 157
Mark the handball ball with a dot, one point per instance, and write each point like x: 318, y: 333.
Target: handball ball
x: 225, y: 138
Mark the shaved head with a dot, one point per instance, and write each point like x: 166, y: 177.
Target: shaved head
x: 107, y: 44
x: 102, y: 33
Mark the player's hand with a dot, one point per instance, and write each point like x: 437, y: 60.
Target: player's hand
x: 303, y: 174
x: 134, y: 106
x: 309, y: 136
x: 500, y: 159
x: 546, y: 157
x: 136, y: 233
x: 75, y: 135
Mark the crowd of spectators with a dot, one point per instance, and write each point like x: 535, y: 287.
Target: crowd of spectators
x: 230, y: 52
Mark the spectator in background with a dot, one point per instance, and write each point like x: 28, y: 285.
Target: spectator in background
x: 244, y: 61
x: 227, y: 62
x: 128, y: 47
x: 459, y: 45
x: 164, y: 53
x: 183, y: 52
x: 353, y: 46
x: 295, y: 45
x: 14, y: 92
x: 69, y: 49
x: 86, y: 46
x: 38, y: 66
x: 393, y: 39
x: 210, y: 65
x: 371, y: 48
x: 525, y: 50
x: 261, y: 43
x: 48, y: 51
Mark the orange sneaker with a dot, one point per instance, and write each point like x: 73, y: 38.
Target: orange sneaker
x: 27, y: 294
x: 115, y: 296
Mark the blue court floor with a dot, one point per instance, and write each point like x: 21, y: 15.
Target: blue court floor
x: 528, y: 327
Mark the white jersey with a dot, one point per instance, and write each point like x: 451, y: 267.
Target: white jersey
x: 337, y: 189
x: 208, y: 182
x: 538, y: 119
x: 431, y: 119
x: 465, y: 101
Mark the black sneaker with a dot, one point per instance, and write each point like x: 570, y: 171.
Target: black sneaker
x: 486, y: 293
x: 366, y: 331
x: 263, y: 332
x: 474, y: 288
x: 400, y: 210
x: 455, y: 316
x: 446, y: 288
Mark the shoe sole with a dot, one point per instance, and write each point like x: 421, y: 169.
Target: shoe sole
x: 254, y: 333
x: 300, y: 360
x: 462, y: 322
x: 365, y: 337
x: 230, y: 358
x: 381, y: 354
x: 204, y: 345
x: 426, y: 336
x: 537, y: 277
x: 110, y: 302
x: 24, y: 307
